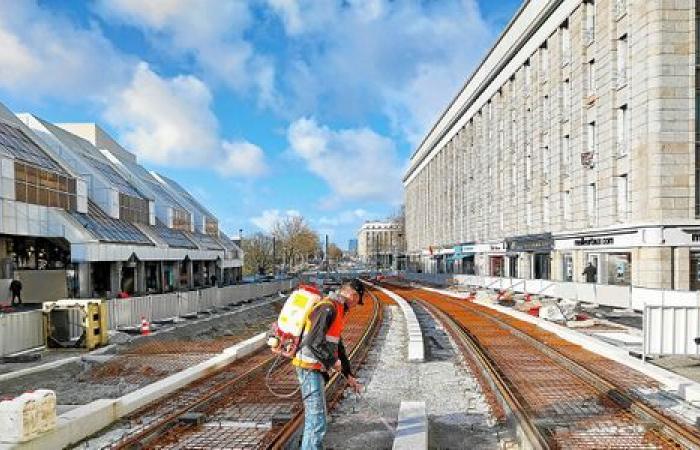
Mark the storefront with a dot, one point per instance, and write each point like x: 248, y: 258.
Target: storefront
x: 599, y: 258
x: 536, y: 249
x: 463, y: 258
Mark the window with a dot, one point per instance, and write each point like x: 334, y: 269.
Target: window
x: 544, y: 61
x: 565, y: 44
x: 545, y: 161
x: 566, y: 99
x: 589, y: 26
x: 622, y: 198
x: 567, y: 208
x: 619, y: 268
x: 622, y: 130
x: 211, y: 227
x: 528, y: 165
x: 622, y: 55
x: 182, y: 220
x: 43, y: 187
x: 592, y: 138
x: 568, y: 267
x: 592, y: 205
x: 528, y: 214
x: 545, y: 210
x: 565, y: 153
x: 591, y: 84
x: 133, y: 209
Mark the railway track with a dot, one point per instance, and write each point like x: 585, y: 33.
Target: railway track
x: 233, y: 408
x: 550, y: 392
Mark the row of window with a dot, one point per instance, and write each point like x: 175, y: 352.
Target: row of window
x: 42, y: 187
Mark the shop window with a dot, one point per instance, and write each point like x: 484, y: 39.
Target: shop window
x: 695, y: 271
x: 619, y: 268
x: 541, y: 266
x: 568, y: 267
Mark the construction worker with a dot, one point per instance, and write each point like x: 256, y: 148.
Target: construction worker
x: 321, y: 352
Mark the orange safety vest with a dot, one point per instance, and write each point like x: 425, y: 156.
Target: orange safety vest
x: 304, y: 357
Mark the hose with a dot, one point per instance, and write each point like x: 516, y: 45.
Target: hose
x: 268, y: 376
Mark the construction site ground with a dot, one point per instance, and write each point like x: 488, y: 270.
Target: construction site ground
x: 132, y: 362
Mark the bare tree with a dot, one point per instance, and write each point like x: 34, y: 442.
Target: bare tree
x: 295, y: 239
x: 258, y: 254
x: 334, y: 252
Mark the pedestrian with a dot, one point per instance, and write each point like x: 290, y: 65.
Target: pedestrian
x: 590, y: 272
x: 321, y: 352
x: 16, y: 291
x: 213, y: 280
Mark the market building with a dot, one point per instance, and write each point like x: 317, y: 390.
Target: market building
x: 81, y: 218
x: 573, y: 143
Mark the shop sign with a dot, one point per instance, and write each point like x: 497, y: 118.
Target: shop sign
x: 589, y: 242
x: 533, y: 243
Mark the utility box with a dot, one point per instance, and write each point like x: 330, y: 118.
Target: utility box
x: 75, y: 323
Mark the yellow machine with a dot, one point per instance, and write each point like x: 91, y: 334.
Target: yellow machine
x: 75, y: 323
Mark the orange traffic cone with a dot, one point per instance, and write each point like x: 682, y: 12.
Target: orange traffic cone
x: 145, y: 327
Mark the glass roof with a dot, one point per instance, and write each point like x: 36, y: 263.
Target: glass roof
x: 174, y: 238
x: 226, y: 242
x: 182, y: 191
x: 18, y: 144
x: 114, y: 178
x: 109, y: 229
x: 205, y: 241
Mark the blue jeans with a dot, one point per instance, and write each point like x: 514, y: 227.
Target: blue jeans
x: 314, y: 396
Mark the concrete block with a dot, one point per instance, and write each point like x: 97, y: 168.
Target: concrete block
x: 412, y: 429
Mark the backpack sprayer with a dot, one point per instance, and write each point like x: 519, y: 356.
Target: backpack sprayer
x: 286, y: 334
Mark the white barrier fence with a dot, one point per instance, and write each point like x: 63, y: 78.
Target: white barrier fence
x: 21, y: 331
x: 603, y: 294
x: 671, y: 330
x: 129, y: 311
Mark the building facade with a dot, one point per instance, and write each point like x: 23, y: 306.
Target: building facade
x: 381, y: 244
x: 572, y: 144
x: 81, y: 217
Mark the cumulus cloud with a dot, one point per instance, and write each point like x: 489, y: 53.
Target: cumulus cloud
x: 169, y: 121
x: 267, y: 219
x: 46, y: 55
x: 347, y: 217
x: 212, y: 33
x: 356, y: 163
x: 242, y: 158
x: 405, y: 59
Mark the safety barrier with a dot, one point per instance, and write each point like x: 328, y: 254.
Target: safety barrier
x: 20, y: 331
x: 602, y: 294
x: 129, y: 311
x: 671, y: 330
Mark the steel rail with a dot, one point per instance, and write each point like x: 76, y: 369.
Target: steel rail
x: 526, y: 431
x: 358, y: 354
x: 646, y: 414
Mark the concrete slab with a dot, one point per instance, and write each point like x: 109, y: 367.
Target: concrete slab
x: 416, y: 346
x: 412, y: 429
x: 86, y: 420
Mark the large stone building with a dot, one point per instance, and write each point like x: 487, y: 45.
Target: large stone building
x: 573, y: 142
x: 380, y: 244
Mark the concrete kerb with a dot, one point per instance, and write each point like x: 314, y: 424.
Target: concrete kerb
x: 86, y: 420
x: 685, y: 388
x: 416, y: 347
x: 412, y: 428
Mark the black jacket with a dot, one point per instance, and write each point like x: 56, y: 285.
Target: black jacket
x: 315, y: 340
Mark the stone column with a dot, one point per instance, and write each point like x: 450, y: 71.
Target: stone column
x: 115, y: 277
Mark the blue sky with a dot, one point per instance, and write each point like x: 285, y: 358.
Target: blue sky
x: 261, y: 108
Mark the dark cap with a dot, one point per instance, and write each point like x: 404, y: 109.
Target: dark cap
x: 357, y: 286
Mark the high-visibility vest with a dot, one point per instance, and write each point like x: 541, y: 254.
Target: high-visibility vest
x: 304, y: 357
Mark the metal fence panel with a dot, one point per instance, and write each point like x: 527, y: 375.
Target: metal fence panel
x: 671, y: 330
x: 21, y: 331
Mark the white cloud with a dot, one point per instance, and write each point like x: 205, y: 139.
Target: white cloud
x: 404, y: 59
x: 242, y: 158
x: 212, y: 33
x: 267, y: 219
x: 348, y: 217
x: 355, y: 163
x: 45, y: 55
x: 169, y: 121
